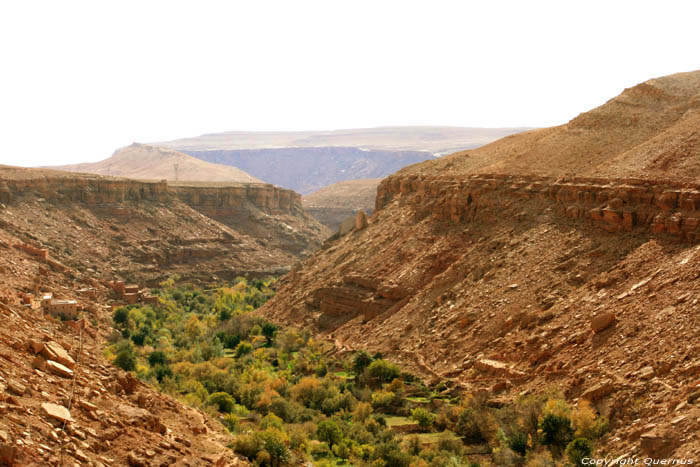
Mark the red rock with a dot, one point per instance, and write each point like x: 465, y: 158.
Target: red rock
x: 57, y: 411
x: 54, y: 351
x: 602, y: 321
x: 58, y: 369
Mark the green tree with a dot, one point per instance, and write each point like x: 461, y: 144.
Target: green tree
x: 120, y: 316
x: 269, y: 330
x: 157, y: 358
x: 556, y: 430
x: 223, y: 401
x: 329, y: 432
x: 424, y: 418
x: 383, y: 371
x: 361, y: 361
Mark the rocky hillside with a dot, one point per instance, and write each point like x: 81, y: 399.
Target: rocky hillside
x: 142, y: 161
x: 142, y: 231
x: 651, y: 130
x: 61, y: 402
x: 333, y: 204
x: 533, y: 278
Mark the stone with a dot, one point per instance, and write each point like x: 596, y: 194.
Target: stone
x: 39, y: 363
x: 346, y: 226
x: 57, y: 411
x: 3, y: 436
x: 360, y: 220
x: 658, y: 443
x: 34, y: 346
x: 496, y: 368
x: 127, y: 381
x: 602, y: 321
x: 54, y: 351
x: 58, y: 369
x: 80, y: 455
x: 87, y: 405
x: 16, y: 387
x: 646, y: 373
x: 598, y: 391
x: 135, y: 461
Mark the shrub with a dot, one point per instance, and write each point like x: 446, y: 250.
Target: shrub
x: 468, y: 426
x: 162, y: 371
x: 157, y: 358
x: 518, y: 442
x: 577, y: 450
x: 223, y: 401
x: 243, y: 348
x: 383, y: 371
x: 585, y: 422
x: 424, y: 418
x: 230, y: 421
x: 126, y: 360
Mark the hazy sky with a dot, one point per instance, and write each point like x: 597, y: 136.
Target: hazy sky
x: 80, y: 79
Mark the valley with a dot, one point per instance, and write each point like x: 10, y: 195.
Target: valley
x: 527, y: 302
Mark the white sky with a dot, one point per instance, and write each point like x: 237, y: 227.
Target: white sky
x: 80, y: 79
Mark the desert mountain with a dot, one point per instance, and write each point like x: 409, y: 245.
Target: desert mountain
x: 333, y: 204
x: 142, y: 161
x: 308, y: 161
x: 565, y: 257
x: 650, y: 130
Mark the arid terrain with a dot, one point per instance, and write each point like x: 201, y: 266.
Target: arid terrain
x: 333, y: 204
x: 565, y: 257
x: 145, y: 162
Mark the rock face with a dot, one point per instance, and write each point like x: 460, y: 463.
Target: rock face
x: 270, y: 214
x: 656, y: 206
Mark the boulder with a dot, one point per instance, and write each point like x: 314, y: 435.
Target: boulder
x: 346, y: 226
x: 360, y: 220
x: 54, y: 351
x: 16, y: 387
x: 57, y: 412
x: 598, y: 391
x: 58, y: 369
x: 602, y: 321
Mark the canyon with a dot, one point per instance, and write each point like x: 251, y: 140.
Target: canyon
x: 564, y: 257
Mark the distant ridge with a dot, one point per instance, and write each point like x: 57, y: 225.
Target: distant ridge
x: 437, y: 140
x: 143, y: 161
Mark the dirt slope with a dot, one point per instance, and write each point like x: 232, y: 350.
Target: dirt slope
x: 333, y: 204
x: 142, y: 161
x: 525, y: 278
